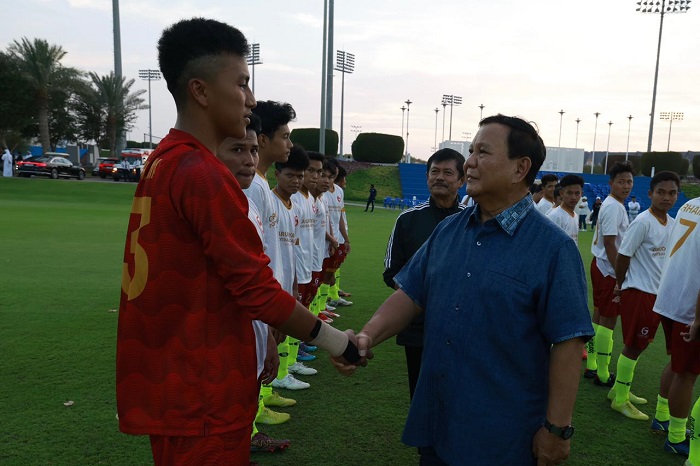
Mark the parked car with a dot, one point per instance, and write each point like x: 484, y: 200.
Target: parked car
x: 104, y: 167
x: 53, y: 166
x: 129, y: 169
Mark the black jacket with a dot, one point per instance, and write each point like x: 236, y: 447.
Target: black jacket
x: 413, y: 227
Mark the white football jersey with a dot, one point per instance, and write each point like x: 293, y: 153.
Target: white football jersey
x: 286, y: 240
x: 680, y: 278
x: 320, y: 228
x: 259, y: 327
x: 335, y: 201
x: 544, y: 206
x: 566, y: 221
x: 645, y: 244
x: 259, y: 194
x: 612, y: 221
x: 304, y: 251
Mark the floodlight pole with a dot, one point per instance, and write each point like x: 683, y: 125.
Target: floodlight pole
x: 561, y: 120
x: 595, y: 133
x: 149, y: 75
x: 607, y: 150
x: 629, y: 127
x: 578, y: 120
x: 437, y: 110
x: 253, y: 59
x: 345, y: 63
x: 408, y: 116
x: 667, y: 6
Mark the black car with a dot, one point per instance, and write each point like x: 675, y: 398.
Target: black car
x: 50, y: 165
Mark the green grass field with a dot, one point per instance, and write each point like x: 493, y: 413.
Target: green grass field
x: 60, y: 263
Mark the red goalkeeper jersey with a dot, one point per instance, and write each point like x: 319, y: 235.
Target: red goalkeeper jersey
x: 194, y: 276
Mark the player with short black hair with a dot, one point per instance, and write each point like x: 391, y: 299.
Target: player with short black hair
x: 640, y: 260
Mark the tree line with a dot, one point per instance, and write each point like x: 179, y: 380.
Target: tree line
x: 42, y: 99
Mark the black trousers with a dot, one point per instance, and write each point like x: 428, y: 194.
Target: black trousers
x: 370, y: 201
x: 414, y: 354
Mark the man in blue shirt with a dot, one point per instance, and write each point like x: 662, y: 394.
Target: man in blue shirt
x: 503, y: 292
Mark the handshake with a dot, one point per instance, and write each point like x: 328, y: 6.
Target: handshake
x: 356, y: 354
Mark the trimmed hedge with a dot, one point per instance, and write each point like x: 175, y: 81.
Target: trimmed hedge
x: 377, y: 148
x: 696, y: 166
x: 634, y: 160
x: 671, y: 161
x: 308, y: 139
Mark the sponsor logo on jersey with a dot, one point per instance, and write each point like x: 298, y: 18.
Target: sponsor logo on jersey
x: 273, y: 219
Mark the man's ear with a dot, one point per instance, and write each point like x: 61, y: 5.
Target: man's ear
x: 197, y: 88
x: 263, y: 140
x: 522, y: 168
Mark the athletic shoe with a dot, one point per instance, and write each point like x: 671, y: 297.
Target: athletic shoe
x: 307, y: 348
x: 627, y: 409
x: 278, y: 401
x: 300, y: 369
x: 661, y: 427
x: 585, y: 354
x: 331, y: 314
x: 634, y: 399
x: 610, y: 383
x: 290, y: 383
x: 329, y: 307
x: 302, y: 356
x: 589, y: 373
x: 680, y: 448
x: 270, y: 417
x: 325, y: 318
x: 344, y: 294
x: 261, y: 442
x: 340, y: 302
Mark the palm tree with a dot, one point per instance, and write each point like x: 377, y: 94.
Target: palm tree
x: 40, y: 65
x: 117, y: 103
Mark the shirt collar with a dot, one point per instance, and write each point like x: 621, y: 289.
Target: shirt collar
x: 432, y: 203
x: 510, y: 218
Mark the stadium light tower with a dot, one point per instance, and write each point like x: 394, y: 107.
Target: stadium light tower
x: 444, y: 106
x: 345, y: 63
x: 437, y: 110
x: 481, y: 112
x: 561, y: 120
x: 253, y: 59
x: 670, y: 117
x: 149, y: 75
x: 607, y: 150
x: 578, y: 120
x: 629, y: 127
x: 408, y: 116
x: 452, y: 100
x: 403, y: 116
x: 595, y: 133
x: 666, y: 7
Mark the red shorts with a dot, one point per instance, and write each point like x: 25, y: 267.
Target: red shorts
x: 685, y: 357
x: 639, y: 321
x: 603, y: 292
x: 228, y: 448
x: 333, y: 263
x: 667, y: 325
x: 307, y: 291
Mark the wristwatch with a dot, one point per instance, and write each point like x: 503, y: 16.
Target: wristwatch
x: 565, y: 432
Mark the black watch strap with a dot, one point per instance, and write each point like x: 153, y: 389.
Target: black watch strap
x: 565, y: 432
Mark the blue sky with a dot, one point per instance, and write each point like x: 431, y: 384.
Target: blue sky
x: 531, y: 59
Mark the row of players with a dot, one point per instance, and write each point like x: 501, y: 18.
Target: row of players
x: 303, y: 227
x: 638, y: 274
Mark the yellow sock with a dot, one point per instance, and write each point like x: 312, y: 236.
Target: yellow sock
x: 625, y: 375
x: 662, y: 412
x: 676, y: 429
x: 604, y: 346
x: 694, y: 457
x: 591, y: 363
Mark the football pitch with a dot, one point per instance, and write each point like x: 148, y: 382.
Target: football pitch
x: 61, y: 253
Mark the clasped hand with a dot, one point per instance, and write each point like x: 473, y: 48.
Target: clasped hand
x: 363, y: 343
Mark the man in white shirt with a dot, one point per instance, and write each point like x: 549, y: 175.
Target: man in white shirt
x: 570, y: 189
x: 607, y: 238
x: 549, y: 183
x: 241, y: 157
x: 633, y: 207
x: 7, y: 165
x: 583, y: 211
x: 678, y: 298
x: 638, y: 270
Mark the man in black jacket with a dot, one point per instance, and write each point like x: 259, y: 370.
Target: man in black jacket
x: 445, y: 175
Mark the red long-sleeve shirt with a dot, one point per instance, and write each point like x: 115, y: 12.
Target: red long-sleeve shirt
x: 194, y: 276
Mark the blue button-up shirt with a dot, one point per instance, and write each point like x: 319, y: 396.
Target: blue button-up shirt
x: 496, y: 296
